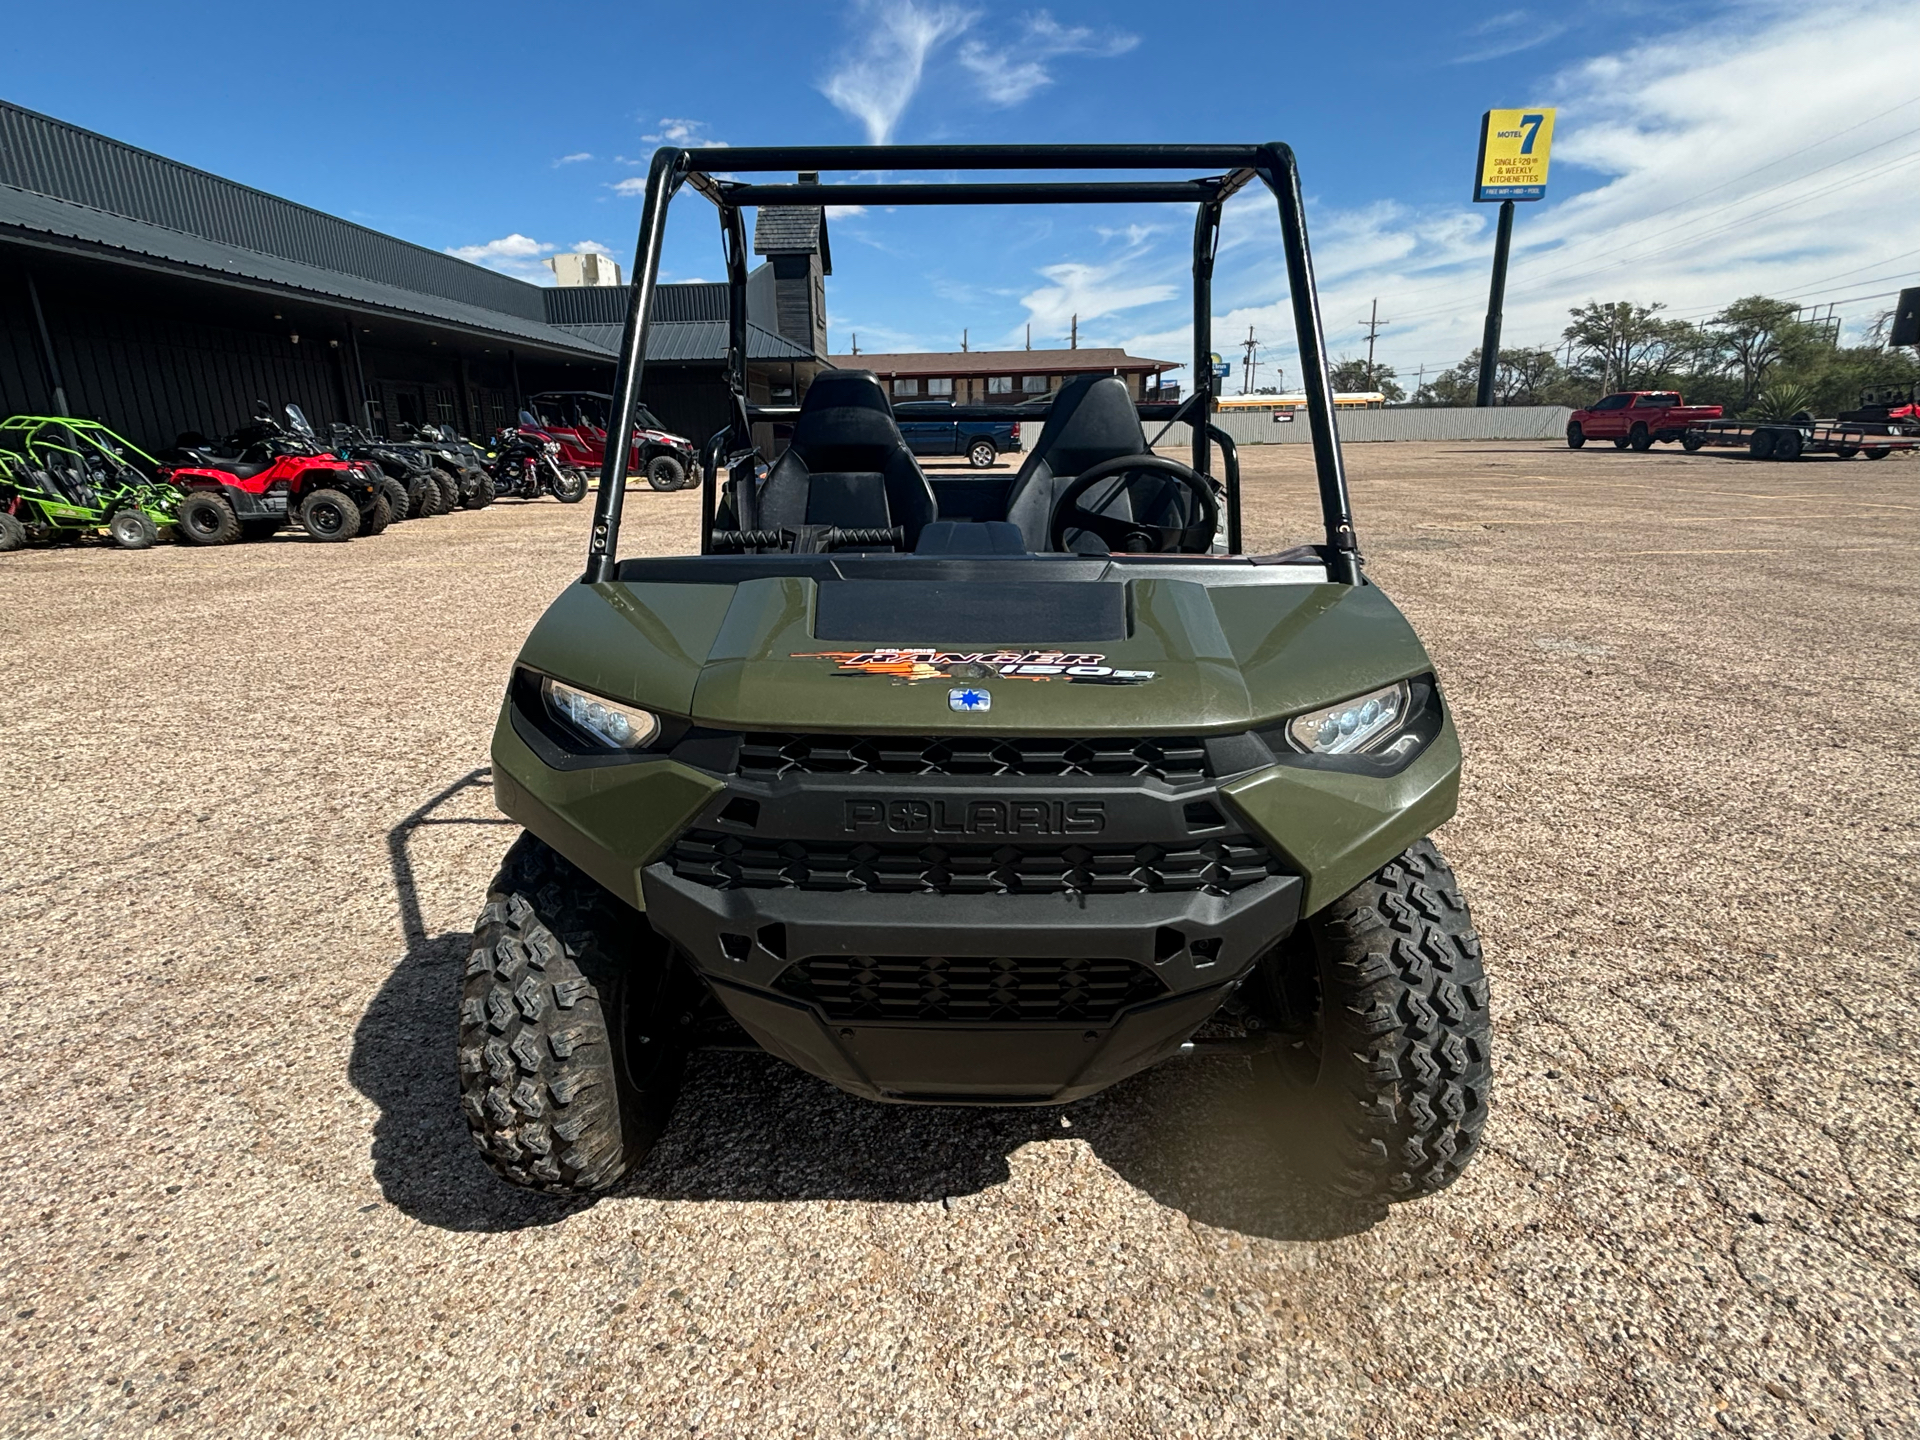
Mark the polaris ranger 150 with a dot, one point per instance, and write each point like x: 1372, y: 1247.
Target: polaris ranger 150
x: 985, y: 791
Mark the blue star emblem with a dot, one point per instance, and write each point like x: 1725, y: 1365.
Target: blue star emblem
x: 969, y: 701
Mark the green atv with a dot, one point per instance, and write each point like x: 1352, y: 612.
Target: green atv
x: 979, y: 790
x: 63, y: 478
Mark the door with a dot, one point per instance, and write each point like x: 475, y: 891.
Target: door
x: 1608, y: 419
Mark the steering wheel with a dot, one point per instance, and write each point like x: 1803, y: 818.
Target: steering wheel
x: 1138, y: 537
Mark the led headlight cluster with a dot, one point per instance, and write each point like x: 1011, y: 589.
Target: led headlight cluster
x: 1362, y: 725
x: 599, y: 720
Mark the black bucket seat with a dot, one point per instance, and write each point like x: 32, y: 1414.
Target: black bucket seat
x: 1092, y: 420
x: 847, y: 465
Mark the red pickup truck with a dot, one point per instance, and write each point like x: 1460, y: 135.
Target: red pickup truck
x: 1636, y: 418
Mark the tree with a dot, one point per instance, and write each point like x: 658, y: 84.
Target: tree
x: 1750, y: 333
x: 1350, y: 374
x: 1526, y: 376
x: 1629, y: 344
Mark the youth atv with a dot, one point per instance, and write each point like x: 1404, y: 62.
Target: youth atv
x: 262, y: 475
x: 982, y: 790
x: 63, y: 478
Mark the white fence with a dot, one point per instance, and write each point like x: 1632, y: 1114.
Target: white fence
x: 1517, y: 422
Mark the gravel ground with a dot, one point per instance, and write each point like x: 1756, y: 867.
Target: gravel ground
x: 247, y: 825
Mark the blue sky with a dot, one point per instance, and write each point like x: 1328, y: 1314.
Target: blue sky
x: 1704, y: 150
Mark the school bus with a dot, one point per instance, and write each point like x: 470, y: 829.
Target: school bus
x: 1287, y: 404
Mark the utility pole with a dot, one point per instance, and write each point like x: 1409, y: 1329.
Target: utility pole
x: 1074, y: 342
x: 1421, y: 383
x: 1250, y: 364
x: 963, y: 342
x: 1029, y: 334
x: 1373, y: 324
x: 856, y: 342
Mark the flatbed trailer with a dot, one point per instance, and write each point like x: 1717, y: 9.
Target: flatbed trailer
x: 1789, y: 440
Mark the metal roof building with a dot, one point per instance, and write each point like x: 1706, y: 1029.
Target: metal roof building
x: 158, y: 297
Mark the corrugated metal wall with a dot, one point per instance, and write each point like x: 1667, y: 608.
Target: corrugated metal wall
x: 152, y: 370
x: 1518, y: 422
x: 44, y: 155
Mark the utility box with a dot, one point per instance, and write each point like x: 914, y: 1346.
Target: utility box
x: 583, y: 269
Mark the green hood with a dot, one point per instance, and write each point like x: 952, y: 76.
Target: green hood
x: 1220, y: 657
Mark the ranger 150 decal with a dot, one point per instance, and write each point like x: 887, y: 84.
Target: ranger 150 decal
x: 909, y: 664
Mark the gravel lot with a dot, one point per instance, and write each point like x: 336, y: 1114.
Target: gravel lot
x: 247, y: 826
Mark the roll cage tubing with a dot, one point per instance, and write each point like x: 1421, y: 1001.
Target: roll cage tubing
x: 1271, y: 163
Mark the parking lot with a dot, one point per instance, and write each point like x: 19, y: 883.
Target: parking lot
x: 247, y: 825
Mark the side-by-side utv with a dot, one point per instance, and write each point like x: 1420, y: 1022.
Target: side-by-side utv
x: 977, y: 790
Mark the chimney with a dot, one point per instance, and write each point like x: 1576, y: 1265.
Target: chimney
x: 794, y: 240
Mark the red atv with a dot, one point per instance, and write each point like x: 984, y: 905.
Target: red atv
x: 262, y: 475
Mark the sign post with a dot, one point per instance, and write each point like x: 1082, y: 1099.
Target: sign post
x: 1515, y: 146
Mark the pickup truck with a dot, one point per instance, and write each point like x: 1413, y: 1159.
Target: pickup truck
x: 1636, y: 418
x: 930, y: 428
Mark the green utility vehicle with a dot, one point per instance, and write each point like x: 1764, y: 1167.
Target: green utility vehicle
x: 983, y: 790
x: 63, y: 478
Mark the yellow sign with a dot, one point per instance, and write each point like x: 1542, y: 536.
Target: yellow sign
x: 1514, y: 148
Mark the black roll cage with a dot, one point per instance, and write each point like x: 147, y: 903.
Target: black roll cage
x: 1271, y: 163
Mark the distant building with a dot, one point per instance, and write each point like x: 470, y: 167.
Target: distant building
x: 583, y: 269
x: 983, y: 377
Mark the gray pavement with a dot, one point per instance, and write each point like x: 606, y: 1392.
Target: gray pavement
x: 246, y: 827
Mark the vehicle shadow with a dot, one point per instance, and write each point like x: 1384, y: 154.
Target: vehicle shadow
x: 748, y: 1127
x: 402, y: 1060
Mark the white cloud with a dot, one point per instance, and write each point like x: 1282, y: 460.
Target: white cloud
x: 515, y: 254
x: 842, y: 212
x: 573, y: 159
x: 875, y: 81
x: 1008, y: 71
x: 684, y: 133
x: 632, y: 185
x: 1089, y: 291
x: 510, y: 247
x: 591, y: 247
x: 1509, y: 33
x: 1738, y: 161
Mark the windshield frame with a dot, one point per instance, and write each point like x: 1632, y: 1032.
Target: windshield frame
x: 1271, y: 163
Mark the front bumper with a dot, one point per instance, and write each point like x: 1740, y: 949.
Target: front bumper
x: 1189, y: 949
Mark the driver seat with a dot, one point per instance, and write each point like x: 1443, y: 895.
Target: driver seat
x: 1093, y: 420
x: 847, y: 465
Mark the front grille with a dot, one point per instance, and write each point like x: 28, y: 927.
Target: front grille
x: 1171, y: 758
x: 733, y: 862
x: 933, y: 987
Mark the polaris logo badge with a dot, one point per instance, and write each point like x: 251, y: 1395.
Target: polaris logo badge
x: 975, y: 817
x: 971, y: 700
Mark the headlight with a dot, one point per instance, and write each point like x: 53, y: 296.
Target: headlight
x: 601, y: 721
x: 1365, y: 723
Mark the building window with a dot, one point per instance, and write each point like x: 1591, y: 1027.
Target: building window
x: 940, y: 387
x: 906, y: 387
x: 1033, y: 384
x: 999, y: 384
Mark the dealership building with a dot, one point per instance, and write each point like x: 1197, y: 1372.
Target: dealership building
x: 160, y: 298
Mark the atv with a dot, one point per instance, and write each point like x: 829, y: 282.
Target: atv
x: 457, y: 463
x: 63, y: 478
x: 977, y: 790
x: 414, y: 487
x: 263, y: 474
